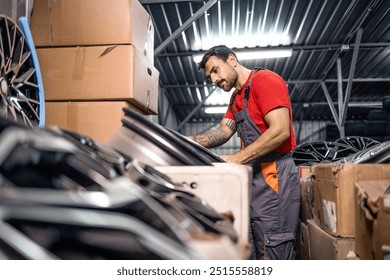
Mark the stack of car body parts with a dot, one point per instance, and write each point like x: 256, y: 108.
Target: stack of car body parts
x: 66, y: 196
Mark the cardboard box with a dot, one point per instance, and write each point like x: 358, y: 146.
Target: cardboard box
x: 304, y: 245
x: 92, y: 22
x: 307, y: 207
x: 372, y: 219
x: 99, y: 73
x: 97, y: 120
x: 335, y: 193
x: 324, y: 246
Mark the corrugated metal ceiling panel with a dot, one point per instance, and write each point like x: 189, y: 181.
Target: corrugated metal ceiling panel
x: 319, y: 32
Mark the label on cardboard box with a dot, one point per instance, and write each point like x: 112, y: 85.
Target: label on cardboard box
x: 329, y: 208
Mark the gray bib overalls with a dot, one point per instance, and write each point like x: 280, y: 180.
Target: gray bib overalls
x: 275, y: 194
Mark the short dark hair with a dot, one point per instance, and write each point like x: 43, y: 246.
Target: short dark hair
x: 220, y: 51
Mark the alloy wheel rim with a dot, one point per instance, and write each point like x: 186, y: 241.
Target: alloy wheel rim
x: 19, y: 99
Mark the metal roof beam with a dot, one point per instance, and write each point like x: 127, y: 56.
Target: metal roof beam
x: 332, y: 109
x: 359, y: 80
x: 314, y: 81
x: 185, y: 25
x: 351, y: 74
x: 327, y: 47
x: 340, y: 87
x: 298, y: 136
x: 363, y: 104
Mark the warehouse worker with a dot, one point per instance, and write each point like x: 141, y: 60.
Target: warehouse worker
x: 260, y: 111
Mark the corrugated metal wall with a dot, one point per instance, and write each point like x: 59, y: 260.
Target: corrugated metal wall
x: 310, y: 131
x: 166, y: 114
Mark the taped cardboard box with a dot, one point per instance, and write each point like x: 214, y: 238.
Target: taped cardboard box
x: 92, y: 22
x: 324, y: 246
x: 372, y: 218
x: 99, y: 73
x: 97, y: 120
x: 335, y: 193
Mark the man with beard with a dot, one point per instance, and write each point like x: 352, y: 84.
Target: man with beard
x: 260, y: 111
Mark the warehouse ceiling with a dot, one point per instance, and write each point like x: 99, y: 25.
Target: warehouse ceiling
x: 340, y: 52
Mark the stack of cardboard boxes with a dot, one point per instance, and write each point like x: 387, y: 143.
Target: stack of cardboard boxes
x: 96, y: 57
x: 345, y: 211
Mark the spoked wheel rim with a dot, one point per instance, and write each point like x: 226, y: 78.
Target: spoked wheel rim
x: 316, y: 152
x: 19, y: 91
x: 359, y: 143
x: 379, y: 153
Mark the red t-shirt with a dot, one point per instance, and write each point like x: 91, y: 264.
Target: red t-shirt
x: 268, y: 91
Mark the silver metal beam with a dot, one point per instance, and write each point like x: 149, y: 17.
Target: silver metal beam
x: 351, y: 74
x: 314, y: 81
x: 328, y: 47
x: 362, y: 104
x: 185, y: 25
x: 340, y: 87
x: 331, y: 106
x: 360, y: 80
x: 366, y: 104
x: 300, y: 127
x: 162, y: 103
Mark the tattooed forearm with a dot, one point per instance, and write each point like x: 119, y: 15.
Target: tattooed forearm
x: 216, y: 137
x: 231, y: 124
x: 210, y: 139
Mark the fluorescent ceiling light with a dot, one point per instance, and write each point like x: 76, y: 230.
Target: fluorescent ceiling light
x: 216, y: 110
x: 218, y: 97
x: 197, y: 57
x: 264, y: 54
x: 254, y: 54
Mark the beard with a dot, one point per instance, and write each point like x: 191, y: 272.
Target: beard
x: 224, y: 85
x: 228, y: 83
